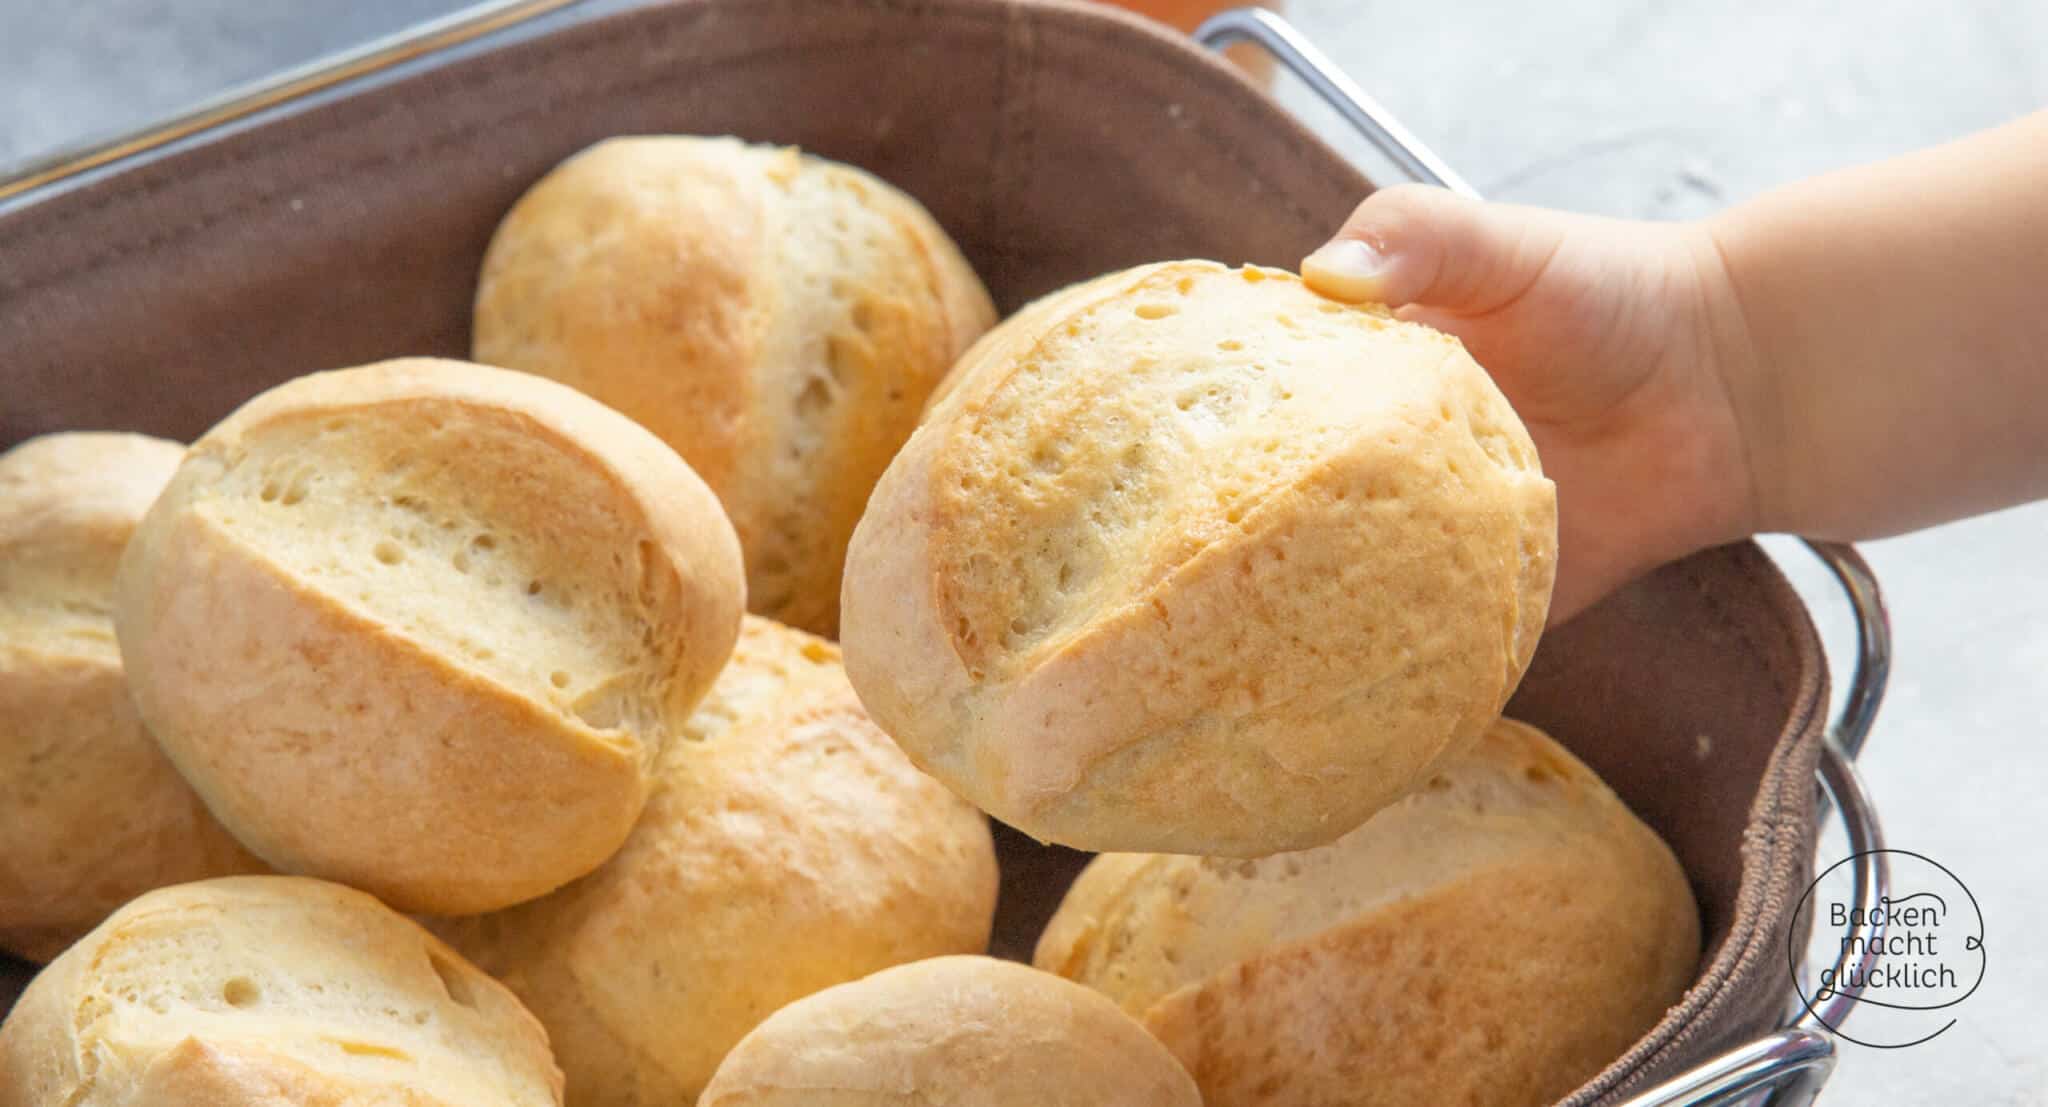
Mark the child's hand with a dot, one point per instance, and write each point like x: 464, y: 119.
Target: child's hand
x: 1616, y: 342
x: 1853, y: 356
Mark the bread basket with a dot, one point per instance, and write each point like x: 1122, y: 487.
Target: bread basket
x: 336, y: 215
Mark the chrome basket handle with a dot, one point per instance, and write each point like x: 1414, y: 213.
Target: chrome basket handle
x: 433, y: 37
x: 1334, y: 87
x: 1789, y: 1066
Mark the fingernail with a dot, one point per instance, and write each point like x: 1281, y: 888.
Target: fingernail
x: 1345, y: 269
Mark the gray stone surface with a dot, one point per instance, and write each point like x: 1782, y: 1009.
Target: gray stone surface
x: 1657, y: 111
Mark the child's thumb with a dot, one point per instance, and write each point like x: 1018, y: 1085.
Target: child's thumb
x: 1414, y: 244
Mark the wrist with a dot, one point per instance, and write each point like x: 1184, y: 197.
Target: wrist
x: 1736, y: 362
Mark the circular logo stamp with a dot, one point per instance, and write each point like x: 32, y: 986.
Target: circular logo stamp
x: 1905, y: 963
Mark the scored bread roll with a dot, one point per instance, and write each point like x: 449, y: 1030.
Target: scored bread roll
x: 91, y: 813
x: 1190, y: 559
x: 787, y: 846
x: 1497, y: 937
x: 421, y: 627
x: 777, y: 318
x: 268, y: 990
x: 959, y: 1031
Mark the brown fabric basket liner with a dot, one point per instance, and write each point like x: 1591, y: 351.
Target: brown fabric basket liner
x: 1055, y: 141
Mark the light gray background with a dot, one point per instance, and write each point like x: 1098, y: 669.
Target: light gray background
x: 1654, y: 111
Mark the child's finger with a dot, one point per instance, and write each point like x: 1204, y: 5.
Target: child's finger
x: 1479, y: 334
x: 1443, y: 319
x: 1413, y: 244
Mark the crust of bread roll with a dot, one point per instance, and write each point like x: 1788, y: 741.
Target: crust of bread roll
x: 267, y: 990
x: 1498, y: 937
x: 1190, y: 559
x: 91, y: 813
x: 962, y: 1031
x: 777, y: 318
x: 421, y: 627
x: 787, y: 846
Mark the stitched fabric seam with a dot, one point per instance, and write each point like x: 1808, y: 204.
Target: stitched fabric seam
x: 602, y: 34
x: 330, y: 176
x: 1755, y: 940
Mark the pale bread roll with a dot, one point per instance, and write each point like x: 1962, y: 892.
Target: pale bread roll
x: 91, y: 813
x: 958, y: 1031
x: 422, y: 627
x: 1191, y: 559
x: 1498, y: 937
x: 787, y: 846
x: 777, y: 318
x: 260, y: 991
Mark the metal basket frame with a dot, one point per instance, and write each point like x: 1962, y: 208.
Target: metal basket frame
x: 1785, y: 1068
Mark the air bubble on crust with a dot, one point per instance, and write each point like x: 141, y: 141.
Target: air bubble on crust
x: 452, y: 979
x: 1499, y: 446
x: 657, y: 579
x: 815, y: 397
x: 240, y: 991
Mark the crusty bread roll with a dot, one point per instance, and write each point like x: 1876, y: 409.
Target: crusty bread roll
x: 421, y: 627
x: 787, y: 846
x: 91, y: 814
x: 777, y: 318
x: 959, y: 1031
x: 263, y: 991
x: 1498, y: 937
x: 1191, y: 559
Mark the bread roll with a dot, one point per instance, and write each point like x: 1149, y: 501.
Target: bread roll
x: 1190, y: 559
x: 959, y: 1031
x: 1496, y: 938
x: 268, y: 990
x: 421, y: 627
x: 787, y: 846
x: 777, y: 318
x: 91, y: 814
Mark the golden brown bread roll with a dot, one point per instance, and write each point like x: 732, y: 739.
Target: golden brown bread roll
x: 259, y: 991
x: 787, y: 846
x: 421, y: 627
x: 958, y: 1031
x: 1496, y: 938
x: 1191, y: 559
x: 777, y: 318
x: 91, y: 813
